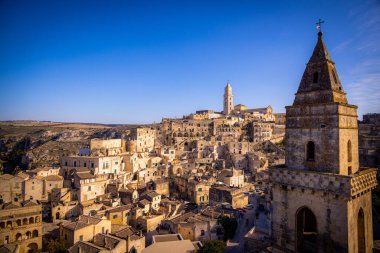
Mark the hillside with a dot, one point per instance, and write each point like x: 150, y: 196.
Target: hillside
x: 30, y: 144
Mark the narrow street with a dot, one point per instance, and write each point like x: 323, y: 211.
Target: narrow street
x: 236, y: 245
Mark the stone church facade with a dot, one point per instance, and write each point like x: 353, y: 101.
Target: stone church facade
x: 321, y: 198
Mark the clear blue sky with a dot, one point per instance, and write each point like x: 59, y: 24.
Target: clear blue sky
x: 138, y: 61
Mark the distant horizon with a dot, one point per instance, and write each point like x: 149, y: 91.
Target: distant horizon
x: 123, y: 61
x: 107, y: 124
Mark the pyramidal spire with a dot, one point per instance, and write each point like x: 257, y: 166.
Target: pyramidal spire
x: 320, y: 82
x: 228, y: 84
x: 320, y: 52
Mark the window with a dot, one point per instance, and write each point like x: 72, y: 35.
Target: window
x: 75, y: 164
x: 92, y: 165
x: 84, y: 165
x: 89, y: 188
x: 349, y: 151
x: 202, y: 232
x: 334, y: 76
x: 81, y: 238
x: 310, y: 151
x: 115, y: 216
x: 315, y: 77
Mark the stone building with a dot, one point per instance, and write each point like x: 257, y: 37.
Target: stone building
x: 101, y: 243
x: 321, y: 198
x: 13, y: 187
x: 135, y: 241
x: 97, y: 164
x: 21, y: 226
x: 279, y: 118
x: 262, y: 131
x: 142, y: 139
x: 40, y: 188
x: 84, y: 229
x: 228, y: 104
x: 108, y: 147
x: 236, y: 197
x: 232, y: 177
x: 369, y: 140
x: 89, y: 186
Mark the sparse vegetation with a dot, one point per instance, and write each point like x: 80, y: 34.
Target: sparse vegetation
x: 229, y: 226
x: 213, y: 246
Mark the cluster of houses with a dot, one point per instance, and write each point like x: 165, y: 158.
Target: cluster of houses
x: 114, y: 194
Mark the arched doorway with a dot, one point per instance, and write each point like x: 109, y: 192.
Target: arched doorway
x: 361, y: 232
x: 57, y: 216
x: 306, y: 231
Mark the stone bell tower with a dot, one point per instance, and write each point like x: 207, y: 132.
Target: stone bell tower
x: 321, y: 198
x: 228, y: 99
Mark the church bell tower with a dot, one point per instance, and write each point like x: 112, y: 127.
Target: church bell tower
x: 228, y: 99
x: 321, y: 198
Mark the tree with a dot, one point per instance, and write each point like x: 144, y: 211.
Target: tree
x: 55, y: 246
x: 229, y: 226
x: 213, y: 246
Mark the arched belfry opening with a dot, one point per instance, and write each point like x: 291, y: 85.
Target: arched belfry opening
x: 361, y: 231
x: 349, y: 151
x: 306, y: 231
x: 315, y: 77
x: 310, y: 151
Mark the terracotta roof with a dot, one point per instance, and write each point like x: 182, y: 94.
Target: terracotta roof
x: 85, y: 175
x: 144, y: 202
x: 53, y: 178
x: 125, y: 233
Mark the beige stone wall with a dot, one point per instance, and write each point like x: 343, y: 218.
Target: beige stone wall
x: 34, y: 189
x: 22, y: 226
x: 12, y: 188
x: 97, y: 164
x: 363, y: 202
x: 137, y: 244
x: 330, y: 212
x: 334, y: 199
x: 111, y: 146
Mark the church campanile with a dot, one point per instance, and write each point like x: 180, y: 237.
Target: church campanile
x: 228, y: 99
x: 321, y: 198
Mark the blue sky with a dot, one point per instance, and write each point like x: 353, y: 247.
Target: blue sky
x: 138, y: 61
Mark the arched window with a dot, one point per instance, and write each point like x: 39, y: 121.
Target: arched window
x: 349, y: 151
x: 361, y: 231
x: 35, y: 233
x: 306, y: 225
x: 25, y: 221
x: 310, y: 151
x: 315, y: 77
x: 18, y: 222
x: 18, y: 237
x: 31, y: 220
